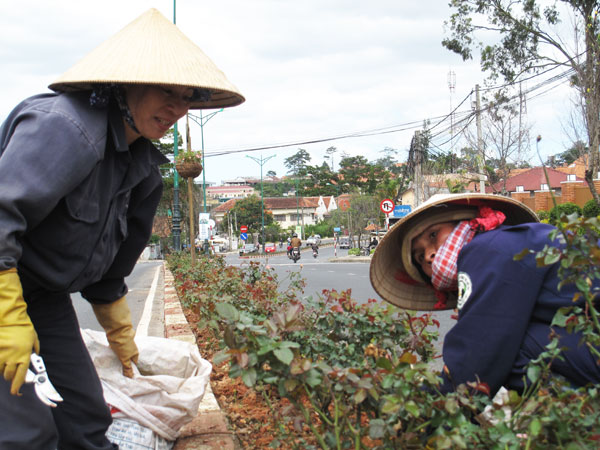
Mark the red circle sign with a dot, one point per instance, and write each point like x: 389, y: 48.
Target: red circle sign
x: 387, y: 206
x: 243, y: 229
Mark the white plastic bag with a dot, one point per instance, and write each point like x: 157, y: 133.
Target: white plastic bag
x: 168, y: 384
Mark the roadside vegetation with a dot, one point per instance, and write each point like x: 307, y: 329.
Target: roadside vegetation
x: 341, y: 375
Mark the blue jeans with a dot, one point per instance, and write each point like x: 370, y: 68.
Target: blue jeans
x: 81, y: 420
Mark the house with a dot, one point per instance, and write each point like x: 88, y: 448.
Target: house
x: 533, y: 180
x: 227, y: 192
x: 287, y: 211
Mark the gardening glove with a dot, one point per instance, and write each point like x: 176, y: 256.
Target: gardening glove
x: 115, y: 318
x: 17, y: 335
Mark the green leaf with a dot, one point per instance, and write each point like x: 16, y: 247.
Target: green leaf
x: 551, y: 258
x: 313, y: 378
x: 376, y: 428
x: 535, y: 427
x: 220, y: 357
x: 533, y: 373
x: 451, y: 405
x: 284, y: 355
x: 360, y: 396
x: 412, y: 408
x: 228, y: 311
x: 249, y: 377
x: 390, y: 406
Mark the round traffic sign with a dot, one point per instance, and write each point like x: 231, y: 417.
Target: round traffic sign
x: 243, y: 228
x: 387, y: 206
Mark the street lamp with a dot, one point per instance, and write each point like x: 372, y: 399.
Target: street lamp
x: 201, y: 121
x: 261, y: 162
x: 176, y: 217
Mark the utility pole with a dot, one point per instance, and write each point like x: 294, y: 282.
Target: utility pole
x: 262, y: 162
x: 479, y: 141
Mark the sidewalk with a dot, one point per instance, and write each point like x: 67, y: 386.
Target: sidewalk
x: 209, y: 430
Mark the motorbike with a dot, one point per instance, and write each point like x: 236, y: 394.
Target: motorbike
x: 315, y: 252
x: 295, y: 254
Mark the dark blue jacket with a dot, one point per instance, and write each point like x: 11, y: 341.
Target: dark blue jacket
x: 505, y: 311
x: 76, y: 202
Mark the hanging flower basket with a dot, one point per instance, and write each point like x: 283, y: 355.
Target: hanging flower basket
x: 189, y: 169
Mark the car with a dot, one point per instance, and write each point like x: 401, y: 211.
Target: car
x: 248, y: 248
x: 344, y: 241
x: 270, y: 247
x: 314, y: 239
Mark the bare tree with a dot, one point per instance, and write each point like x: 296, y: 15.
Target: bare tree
x: 527, y: 37
x: 505, y: 138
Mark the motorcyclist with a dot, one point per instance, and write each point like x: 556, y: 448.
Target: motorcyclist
x: 374, y: 242
x: 294, y: 242
x: 315, y: 248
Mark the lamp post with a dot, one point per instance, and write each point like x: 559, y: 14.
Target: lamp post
x: 297, y: 204
x: 176, y: 217
x: 201, y: 120
x: 261, y: 162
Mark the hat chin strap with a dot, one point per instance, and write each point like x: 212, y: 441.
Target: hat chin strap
x: 100, y: 98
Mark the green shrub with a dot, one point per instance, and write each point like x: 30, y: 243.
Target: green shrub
x: 564, y: 209
x: 353, y: 372
x: 543, y: 215
x: 354, y: 251
x: 591, y: 209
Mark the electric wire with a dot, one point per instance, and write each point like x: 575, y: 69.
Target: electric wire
x: 413, y: 125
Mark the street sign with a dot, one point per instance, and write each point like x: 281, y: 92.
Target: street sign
x: 204, y: 231
x: 401, y: 210
x: 243, y: 229
x: 243, y: 236
x: 337, y: 229
x: 387, y: 206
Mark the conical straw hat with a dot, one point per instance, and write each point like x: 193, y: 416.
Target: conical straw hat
x: 393, y: 275
x: 151, y: 50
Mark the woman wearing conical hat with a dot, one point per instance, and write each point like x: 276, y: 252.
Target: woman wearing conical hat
x: 79, y: 186
x: 457, y: 251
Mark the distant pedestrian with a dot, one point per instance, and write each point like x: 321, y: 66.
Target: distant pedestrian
x: 79, y: 187
x: 457, y: 251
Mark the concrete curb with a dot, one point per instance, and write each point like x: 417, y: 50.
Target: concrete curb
x: 209, y: 430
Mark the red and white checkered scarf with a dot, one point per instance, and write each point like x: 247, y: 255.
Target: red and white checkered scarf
x: 444, y: 267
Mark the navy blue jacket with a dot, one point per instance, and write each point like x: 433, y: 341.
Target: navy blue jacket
x: 76, y: 202
x: 505, y: 311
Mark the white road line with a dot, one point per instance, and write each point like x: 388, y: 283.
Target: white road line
x: 144, y: 323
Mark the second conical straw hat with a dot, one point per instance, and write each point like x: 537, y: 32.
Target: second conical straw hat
x: 151, y: 50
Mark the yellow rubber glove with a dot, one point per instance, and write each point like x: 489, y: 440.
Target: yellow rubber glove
x: 115, y: 318
x: 17, y: 335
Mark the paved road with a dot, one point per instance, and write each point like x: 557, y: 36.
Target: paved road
x: 321, y: 274
x: 140, y: 284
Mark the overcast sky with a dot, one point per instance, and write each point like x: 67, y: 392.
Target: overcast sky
x: 309, y: 70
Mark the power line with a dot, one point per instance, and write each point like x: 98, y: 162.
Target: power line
x: 407, y: 125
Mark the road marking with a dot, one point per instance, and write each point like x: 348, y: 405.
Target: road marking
x: 144, y: 323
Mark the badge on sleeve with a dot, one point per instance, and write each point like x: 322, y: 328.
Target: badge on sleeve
x: 464, y: 289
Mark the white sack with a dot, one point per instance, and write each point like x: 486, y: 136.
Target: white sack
x: 167, y: 387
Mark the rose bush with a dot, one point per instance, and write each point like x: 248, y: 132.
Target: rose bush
x: 360, y: 375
